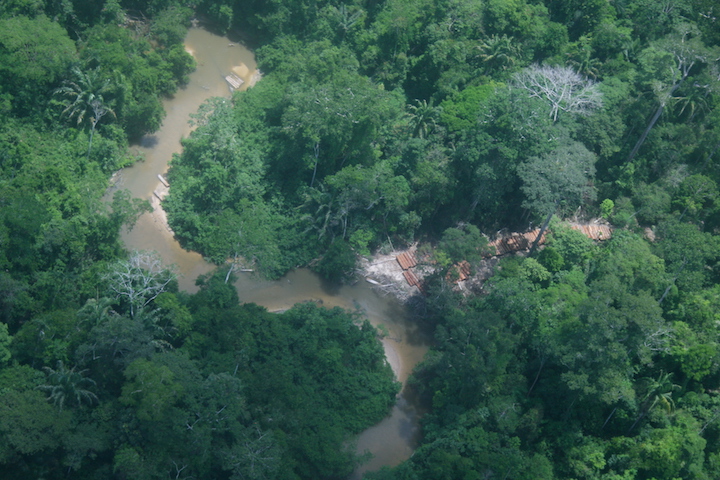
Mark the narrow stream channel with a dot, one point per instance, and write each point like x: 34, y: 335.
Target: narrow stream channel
x: 392, y: 440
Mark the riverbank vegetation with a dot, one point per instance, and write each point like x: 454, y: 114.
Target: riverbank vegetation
x: 106, y: 370
x: 377, y: 123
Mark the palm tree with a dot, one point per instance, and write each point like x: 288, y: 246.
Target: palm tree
x: 498, y: 53
x: 423, y: 117
x: 96, y: 311
x: 67, y: 386
x: 319, y: 207
x: 345, y: 18
x: 85, y: 100
x: 582, y: 60
x: 693, y: 101
x: 658, y: 393
x: 687, y: 50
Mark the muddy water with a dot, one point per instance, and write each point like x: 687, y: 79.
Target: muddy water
x: 392, y: 440
x: 215, y: 56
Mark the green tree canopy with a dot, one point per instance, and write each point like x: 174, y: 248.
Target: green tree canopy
x: 34, y: 54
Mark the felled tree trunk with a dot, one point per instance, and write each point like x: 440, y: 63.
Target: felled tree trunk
x: 542, y: 231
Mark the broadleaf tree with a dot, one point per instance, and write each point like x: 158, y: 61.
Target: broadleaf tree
x: 560, y: 180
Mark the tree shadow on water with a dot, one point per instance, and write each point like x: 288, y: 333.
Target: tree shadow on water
x: 149, y: 141
x: 331, y: 286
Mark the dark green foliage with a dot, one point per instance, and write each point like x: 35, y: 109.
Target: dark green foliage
x: 689, y: 253
x: 30, y: 424
x: 68, y: 386
x: 34, y: 54
x: 464, y: 243
x: 461, y: 111
x: 652, y: 203
x: 695, y: 198
x: 138, y: 74
x: 338, y: 262
x: 629, y: 258
x: 551, y: 259
x: 320, y: 156
x: 572, y: 246
x: 246, y: 392
x: 170, y: 25
x: 308, y: 370
x: 57, y: 233
x: 558, y: 181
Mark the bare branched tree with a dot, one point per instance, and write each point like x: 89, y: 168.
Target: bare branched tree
x: 562, y: 87
x: 140, y: 279
x: 255, y: 456
x: 99, y: 111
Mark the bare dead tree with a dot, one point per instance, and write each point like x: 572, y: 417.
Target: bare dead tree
x: 256, y: 456
x: 140, y: 279
x: 99, y: 111
x: 562, y: 87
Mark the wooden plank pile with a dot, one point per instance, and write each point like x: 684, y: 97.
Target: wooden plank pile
x: 516, y: 242
x: 459, y: 272
x: 512, y: 243
x: 595, y: 232
x: 237, y: 76
x: 411, y: 278
x: 407, y: 261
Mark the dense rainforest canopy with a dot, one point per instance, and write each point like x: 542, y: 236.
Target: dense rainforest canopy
x: 377, y: 123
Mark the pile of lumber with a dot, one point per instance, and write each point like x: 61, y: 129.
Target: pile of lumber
x: 459, y: 272
x: 516, y: 242
x: 407, y: 261
x: 596, y: 232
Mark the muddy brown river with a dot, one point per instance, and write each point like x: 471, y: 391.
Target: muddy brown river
x: 392, y: 440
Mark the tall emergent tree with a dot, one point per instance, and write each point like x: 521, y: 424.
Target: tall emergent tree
x: 562, y: 87
x: 558, y: 180
x: 669, y: 62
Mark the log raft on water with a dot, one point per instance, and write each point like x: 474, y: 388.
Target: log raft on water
x: 237, y: 76
x: 234, y: 81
